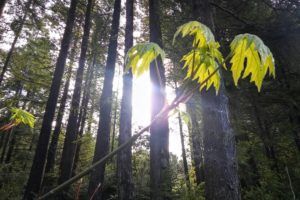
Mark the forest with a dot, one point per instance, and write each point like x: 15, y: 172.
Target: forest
x: 149, y: 99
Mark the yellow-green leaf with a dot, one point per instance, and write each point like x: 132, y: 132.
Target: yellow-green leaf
x: 20, y: 116
x: 202, y: 34
x: 200, y: 65
x: 251, y: 57
x: 140, y: 56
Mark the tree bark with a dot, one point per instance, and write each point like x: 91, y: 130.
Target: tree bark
x: 17, y: 35
x: 69, y: 148
x: 124, y: 158
x: 113, y: 136
x: 196, y: 137
x: 54, y: 140
x: 37, y: 169
x: 2, y: 4
x: 103, y: 133
x: 160, y: 180
x: 221, y: 178
x: 185, y: 164
x: 83, y: 110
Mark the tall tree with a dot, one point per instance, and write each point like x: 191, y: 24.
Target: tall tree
x: 17, y: 35
x: 83, y: 109
x: 221, y: 178
x: 124, y: 161
x: 60, y: 114
x: 37, y: 169
x: 69, y: 148
x: 159, y: 131
x: 103, y: 133
x: 184, y: 159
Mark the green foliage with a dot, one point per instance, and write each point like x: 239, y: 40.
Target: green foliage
x: 249, y: 54
x: 203, y: 61
x: 253, y: 57
x: 141, y: 55
x: 202, y: 34
x: 20, y: 116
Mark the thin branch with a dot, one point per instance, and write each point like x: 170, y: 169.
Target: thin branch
x: 231, y: 13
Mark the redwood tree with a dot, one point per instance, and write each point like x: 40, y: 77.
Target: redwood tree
x: 221, y: 178
x: 37, y: 169
x: 103, y: 133
x: 159, y: 131
x: 124, y: 163
x: 69, y: 148
x: 58, y: 123
x: 16, y: 38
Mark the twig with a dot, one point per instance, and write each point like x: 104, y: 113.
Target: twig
x: 230, y: 13
x: 290, y: 182
x: 95, y: 191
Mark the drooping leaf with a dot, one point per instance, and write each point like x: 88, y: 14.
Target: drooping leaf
x: 203, y: 61
x: 201, y: 65
x: 251, y: 56
x: 202, y: 34
x: 141, y: 55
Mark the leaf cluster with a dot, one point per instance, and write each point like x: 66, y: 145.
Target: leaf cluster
x: 251, y: 56
x: 20, y: 116
x: 141, y: 55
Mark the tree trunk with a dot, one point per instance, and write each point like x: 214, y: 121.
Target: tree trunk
x: 185, y: 164
x: 113, y: 136
x: 103, y: 133
x: 263, y: 131
x: 2, y: 4
x: 160, y: 180
x: 7, y: 139
x: 221, y: 178
x: 11, y: 146
x: 38, y: 165
x: 69, y: 148
x: 83, y: 110
x: 55, y: 136
x: 124, y: 161
x: 17, y: 35
x: 196, y: 137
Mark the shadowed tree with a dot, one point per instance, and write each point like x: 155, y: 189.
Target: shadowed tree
x: 124, y: 163
x: 159, y: 131
x: 69, y: 148
x: 58, y: 123
x: 37, y: 169
x: 17, y: 35
x: 103, y: 133
x: 184, y: 160
x: 221, y: 178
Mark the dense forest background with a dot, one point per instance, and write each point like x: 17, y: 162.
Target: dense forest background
x: 63, y: 61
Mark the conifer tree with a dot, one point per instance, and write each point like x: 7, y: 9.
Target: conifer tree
x: 159, y: 131
x: 103, y: 133
x: 37, y: 169
x: 124, y: 158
